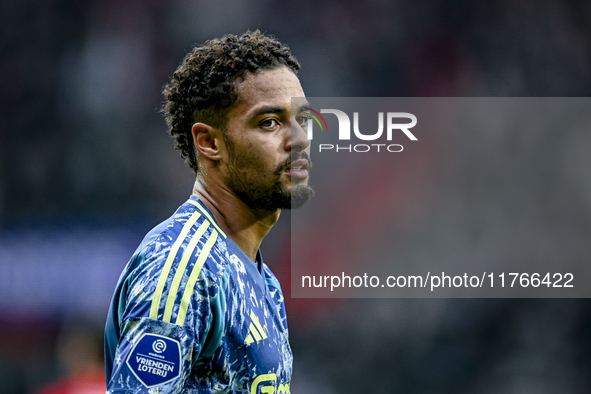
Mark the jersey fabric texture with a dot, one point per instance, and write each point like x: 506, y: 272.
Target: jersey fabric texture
x: 192, y: 313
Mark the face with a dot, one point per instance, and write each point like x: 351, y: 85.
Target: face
x: 268, y: 162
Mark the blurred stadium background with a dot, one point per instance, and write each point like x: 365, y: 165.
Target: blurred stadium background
x: 87, y: 168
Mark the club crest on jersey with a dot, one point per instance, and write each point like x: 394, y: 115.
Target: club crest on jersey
x: 155, y: 360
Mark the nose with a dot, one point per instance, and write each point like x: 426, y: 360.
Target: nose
x: 298, y: 139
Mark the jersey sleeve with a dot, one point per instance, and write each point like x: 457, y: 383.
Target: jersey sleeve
x: 168, y: 309
x: 151, y: 353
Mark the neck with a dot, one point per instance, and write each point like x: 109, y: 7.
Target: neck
x: 246, y: 227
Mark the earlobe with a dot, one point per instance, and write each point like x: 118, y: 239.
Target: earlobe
x: 207, y: 140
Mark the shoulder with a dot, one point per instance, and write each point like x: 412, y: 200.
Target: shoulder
x: 181, y: 260
x: 270, y: 278
x: 274, y: 286
x: 168, y: 298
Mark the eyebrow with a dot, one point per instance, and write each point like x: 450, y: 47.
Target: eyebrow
x: 305, y: 106
x: 270, y: 109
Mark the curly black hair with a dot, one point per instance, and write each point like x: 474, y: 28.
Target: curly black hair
x: 202, y: 88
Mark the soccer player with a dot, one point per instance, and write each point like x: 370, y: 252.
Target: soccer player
x: 196, y: 310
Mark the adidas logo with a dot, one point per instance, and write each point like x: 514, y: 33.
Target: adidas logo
x: 255, y: 330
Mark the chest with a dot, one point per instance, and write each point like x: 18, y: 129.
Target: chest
x: 256, y: 329
x: 254, y: 352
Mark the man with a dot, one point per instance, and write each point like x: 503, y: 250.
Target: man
x: 195, y: 309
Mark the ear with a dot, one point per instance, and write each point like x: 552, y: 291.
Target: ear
x: 207, y: 140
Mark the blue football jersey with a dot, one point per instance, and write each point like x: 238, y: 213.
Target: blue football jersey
x: 192, y: 313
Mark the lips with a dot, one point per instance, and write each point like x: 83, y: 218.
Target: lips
x: 298, y: 169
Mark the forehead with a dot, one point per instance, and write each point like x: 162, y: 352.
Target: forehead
x: 274, y: 87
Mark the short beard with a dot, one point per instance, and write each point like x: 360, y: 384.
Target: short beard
x: 269, y: 198
x: 300, y: 194
x: 265, y: 196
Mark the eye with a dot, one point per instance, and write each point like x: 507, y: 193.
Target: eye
x: 303, y: 120
x: 269, y: 123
